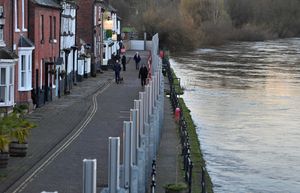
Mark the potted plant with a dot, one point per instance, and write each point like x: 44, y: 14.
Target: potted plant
x: 19, y: 134
x: 176, y: 188
x: 20, y: 110
x: 4, y: 142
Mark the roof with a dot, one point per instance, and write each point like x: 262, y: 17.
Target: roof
x: 25, y: 42
x: 47, y: 3
x: 7, y: 54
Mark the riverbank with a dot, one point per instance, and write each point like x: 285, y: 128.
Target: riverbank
x: 201, y: 181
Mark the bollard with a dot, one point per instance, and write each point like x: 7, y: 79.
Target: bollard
x: 113, y: 164
x: 89, y: 175
x: 126, y: 153
x: 177, y: 114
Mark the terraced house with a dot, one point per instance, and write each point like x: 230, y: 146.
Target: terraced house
x: 46, y: 46
x: 44, y: 31
x: 68, y: 48
x: 15, y: 55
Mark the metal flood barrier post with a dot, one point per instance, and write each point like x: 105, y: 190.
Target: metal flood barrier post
x: 126, y: 153
x: 133, y: 119
x: 89, y: 175
x: 113, y: 164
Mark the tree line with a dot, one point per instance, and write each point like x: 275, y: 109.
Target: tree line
x: 188, y: 24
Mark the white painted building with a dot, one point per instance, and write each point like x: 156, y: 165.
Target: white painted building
x: 68, y: 49
x: 111, y: 44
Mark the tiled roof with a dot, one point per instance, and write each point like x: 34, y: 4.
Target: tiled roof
x: 47, y: 3
x: 7, y: 54
x: 25, y: 42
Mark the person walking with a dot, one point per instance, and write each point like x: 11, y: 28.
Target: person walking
x: 117, y: 69
x: 123, y: 60
x: 143, y: 74
x: 137, y: 60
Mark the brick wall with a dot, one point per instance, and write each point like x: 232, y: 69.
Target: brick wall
x: 46, y: 50
x: 85, y: 21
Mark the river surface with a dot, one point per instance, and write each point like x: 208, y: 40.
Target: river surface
x: 245, y: 100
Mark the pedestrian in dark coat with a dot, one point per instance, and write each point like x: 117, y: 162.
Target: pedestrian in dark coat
x: 123, y: 60
x: 143, y: 74
x: 137, y: 60
x: 117, y: 69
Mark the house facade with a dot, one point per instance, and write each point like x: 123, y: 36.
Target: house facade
x: 44, y: 31
x: 111, y: 34
x: 90, y: 37
x: 24, y: 47
x: 16, y: 55
x: 8, y: 59
x: 68, y: 48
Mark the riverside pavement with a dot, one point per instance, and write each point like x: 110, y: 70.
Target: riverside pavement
x: 75, y: 127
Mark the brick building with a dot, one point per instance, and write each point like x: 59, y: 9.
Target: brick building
x: 44, y: 31
x: 16, y: 54
x: 7, y: 58
x: 89, y: 30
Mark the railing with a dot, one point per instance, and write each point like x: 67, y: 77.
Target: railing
x: 153, y: 177
x: 184, y: 135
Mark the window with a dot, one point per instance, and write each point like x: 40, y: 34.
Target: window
x: 2, y: 27
x: 1, y: 33
x: 42, y: 29
x: 16, y: 7
x: 1, y: 12
x: 54, y: 27
x: 25, y: 72
x: 51, y: 29
x: 6, y: 85
x: 23, y: 16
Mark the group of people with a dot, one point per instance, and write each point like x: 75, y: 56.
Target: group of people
x: 143, y: 70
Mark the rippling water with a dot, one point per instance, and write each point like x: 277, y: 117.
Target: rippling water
x: 245, y: 101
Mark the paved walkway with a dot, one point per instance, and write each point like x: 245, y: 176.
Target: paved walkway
x: 77, y: 126
x: 168, y: 158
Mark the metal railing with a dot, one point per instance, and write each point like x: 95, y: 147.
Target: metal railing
x: 153, y: 177
x: 184, y: 135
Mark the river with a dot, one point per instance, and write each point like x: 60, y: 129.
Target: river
x: 245, y: 101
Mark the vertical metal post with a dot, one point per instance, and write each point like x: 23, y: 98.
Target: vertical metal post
x: 148, y: 91
x: 133, y: 114
x: 126, y: 153
x: 141, y: 97
x: 113, y: 164
x: 138, y: 129
x: 89, y: 175
x: 146, y: 105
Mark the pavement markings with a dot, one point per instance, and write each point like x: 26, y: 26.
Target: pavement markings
x: 65, y: 144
